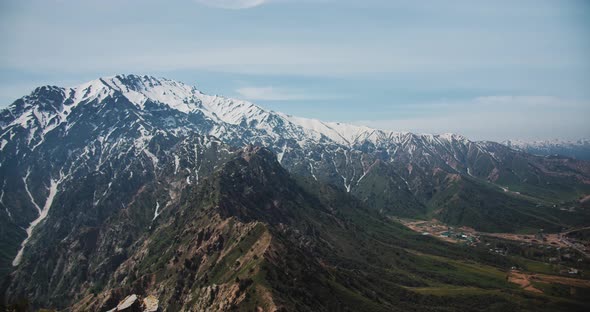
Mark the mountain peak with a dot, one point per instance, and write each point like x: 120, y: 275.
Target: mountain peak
x: 139, y: 89
x: 453, y: 137
x: 252, y: 151
x: 220, y: 112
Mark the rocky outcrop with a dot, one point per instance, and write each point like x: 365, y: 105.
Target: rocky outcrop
x: 134, y: 303
x: 150, y: 304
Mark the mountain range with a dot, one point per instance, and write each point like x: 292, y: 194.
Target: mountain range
x: 137, y: 184
x: 579, y: 149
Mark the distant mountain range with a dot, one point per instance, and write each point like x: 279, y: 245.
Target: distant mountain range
x: 130, y: 183
x: 579, y: 149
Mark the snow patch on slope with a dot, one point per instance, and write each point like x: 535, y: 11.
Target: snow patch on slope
x: 53, y: 185
x: 220, y: 110
x: 156, y: 212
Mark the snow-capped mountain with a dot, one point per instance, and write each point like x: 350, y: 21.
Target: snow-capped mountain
x: 48, y: 107
x: 298, y: 142
x: 90, y: 167
x: 579, y: 149
x: 232, y: 121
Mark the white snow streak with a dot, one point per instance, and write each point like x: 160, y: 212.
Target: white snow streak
x: 176, y: 163
x: 281, y: 154
x: 361, y: 178
x: 156, y: 213
x: 2, y: 202
x: 311, y: 171
x: 152, y: 157
x: 29, y: 192
x: 53, y: 185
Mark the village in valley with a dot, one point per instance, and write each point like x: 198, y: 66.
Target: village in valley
x: 442, y: 231
x: 568, y: 252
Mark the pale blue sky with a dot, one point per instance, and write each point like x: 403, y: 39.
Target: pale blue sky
x: 486, y: 69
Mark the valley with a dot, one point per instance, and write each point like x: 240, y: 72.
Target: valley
x: 542, y: 262
x: 527, y: 281
x: 565, y: 239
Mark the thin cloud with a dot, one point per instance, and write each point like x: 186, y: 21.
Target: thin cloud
x: 273, y: 94
x: 232, y: 4
x: 524, y: 100
x: 501, y: 118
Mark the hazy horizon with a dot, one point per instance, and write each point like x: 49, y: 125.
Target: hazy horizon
x: 489, y: 71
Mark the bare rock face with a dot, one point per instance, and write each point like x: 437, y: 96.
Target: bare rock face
x: 150, y: 304
x: 129, y: 304
x: 225, y: 297
x: 133, y: 303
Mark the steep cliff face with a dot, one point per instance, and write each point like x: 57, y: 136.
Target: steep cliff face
x: 232, y: 242
x: 98, y: 183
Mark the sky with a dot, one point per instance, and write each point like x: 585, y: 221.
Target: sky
x: 490, y: 70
